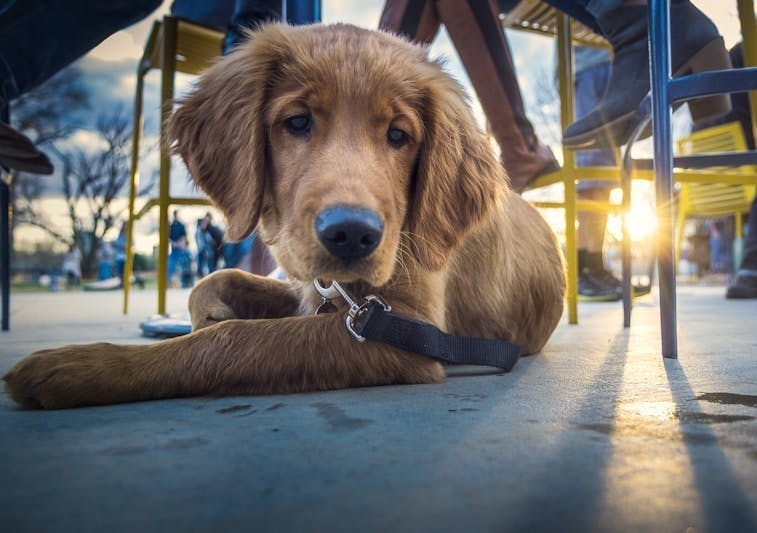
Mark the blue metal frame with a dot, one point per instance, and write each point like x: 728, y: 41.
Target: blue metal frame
x: 666, y: 91
x: 659, y: 46
x: 724, y: 159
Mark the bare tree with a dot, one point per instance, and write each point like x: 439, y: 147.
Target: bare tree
x: 45, y: 116
x: 92, y: 178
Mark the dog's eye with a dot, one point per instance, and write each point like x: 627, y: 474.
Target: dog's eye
x: 397, y: 138
x: 299, y: 125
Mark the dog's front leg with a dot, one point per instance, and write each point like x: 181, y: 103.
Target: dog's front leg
x: 231, y: 293
x: 293, y: 354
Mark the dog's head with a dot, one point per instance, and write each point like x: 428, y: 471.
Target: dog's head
x: 348, y: 146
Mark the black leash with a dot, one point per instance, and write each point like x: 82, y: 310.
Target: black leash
x: 373, y: 320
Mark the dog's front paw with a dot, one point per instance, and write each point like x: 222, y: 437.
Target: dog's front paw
x: 62, y: 377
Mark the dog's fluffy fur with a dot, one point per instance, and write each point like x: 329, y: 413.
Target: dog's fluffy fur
x: 459, y: 249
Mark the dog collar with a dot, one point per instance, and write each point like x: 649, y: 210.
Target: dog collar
x: 372, y: 319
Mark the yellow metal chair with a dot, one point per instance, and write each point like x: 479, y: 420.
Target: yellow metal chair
x: 174, y: 45
x: 715, y: 199
x: 537, y: 17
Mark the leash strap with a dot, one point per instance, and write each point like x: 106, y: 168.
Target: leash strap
x: 426, y: 339
x: 373, y: 320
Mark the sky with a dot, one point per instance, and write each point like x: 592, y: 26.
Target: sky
x: 109, y: 72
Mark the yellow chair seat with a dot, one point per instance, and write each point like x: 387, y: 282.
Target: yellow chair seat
x: 715, y: 199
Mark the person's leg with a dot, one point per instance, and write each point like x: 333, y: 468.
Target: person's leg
x: 172, y: 264
x: 215, y: 14
x: 43, y: 37
x: 595, y: 283
x: 416, y: 20
x: 480, y: 41
x: 187, y: 276
x: 248, y: 14
x: 750, y: 246
x: 591, y: 224
x: 200, y: 264
x: 695, y: 46
x: 745, y: 283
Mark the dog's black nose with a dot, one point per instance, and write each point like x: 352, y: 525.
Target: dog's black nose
x: 349, y: 232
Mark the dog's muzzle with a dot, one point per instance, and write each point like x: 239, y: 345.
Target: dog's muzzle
x: 349, y: 232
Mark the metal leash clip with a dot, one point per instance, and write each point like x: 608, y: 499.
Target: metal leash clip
x: 355, y: 312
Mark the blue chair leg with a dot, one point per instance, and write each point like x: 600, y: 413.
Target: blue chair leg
x: 659, y: 37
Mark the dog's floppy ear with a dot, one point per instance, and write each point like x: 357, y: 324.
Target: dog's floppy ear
x: 218, y: 128
x: 458, y: 177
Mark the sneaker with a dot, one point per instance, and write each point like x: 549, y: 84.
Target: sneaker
x: 593, y: 288
x: 606, y: 277
x: 744, y: 286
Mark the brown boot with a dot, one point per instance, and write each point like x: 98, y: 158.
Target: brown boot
x: 480, y: 41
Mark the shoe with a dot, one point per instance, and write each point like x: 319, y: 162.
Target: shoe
x: 594, y: 289
x: 695, y: 46
x: 744, y: 286
x: 525, y: 169
x: 17, y: 152
x: 606, y: 278
x: 640, y: 290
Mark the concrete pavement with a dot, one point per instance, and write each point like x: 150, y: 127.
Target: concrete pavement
x: 597, y: 433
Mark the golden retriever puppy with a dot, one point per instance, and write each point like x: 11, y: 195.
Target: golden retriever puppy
x: 357, y: 159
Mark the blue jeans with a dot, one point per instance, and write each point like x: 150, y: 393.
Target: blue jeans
x: 590, y: 85
x: 179, y: 258
x: 586, y: 11
x: 215, y: 14
x: 40, y: 37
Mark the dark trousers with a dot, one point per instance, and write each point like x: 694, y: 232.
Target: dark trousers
x: 40, y: 37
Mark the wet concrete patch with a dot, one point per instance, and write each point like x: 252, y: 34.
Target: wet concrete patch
x: 173, y: 444
x: 234, y: 409
x: 124, y: 450
x: 474, y: 397
x: 633, y: 412
x: 728, y: 398
x: 184, y: 444
x: 710, y: 418
x: 337, y: 418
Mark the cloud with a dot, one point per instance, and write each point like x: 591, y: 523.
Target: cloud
x: 365, y: 14
x: 117, y: 47
x: 87, y: 140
